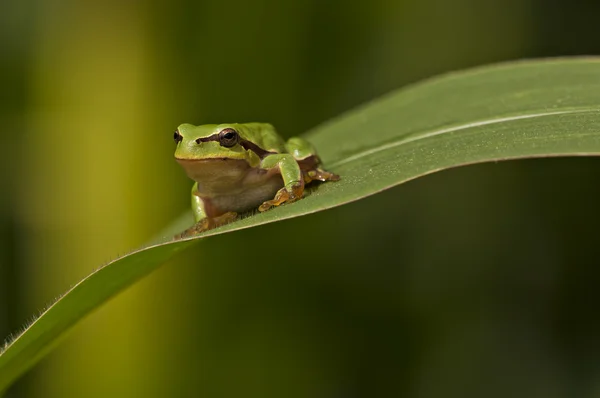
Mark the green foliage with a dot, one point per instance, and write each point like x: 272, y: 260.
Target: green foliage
x: 509, y: 111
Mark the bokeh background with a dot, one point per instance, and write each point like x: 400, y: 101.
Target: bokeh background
x: 478, y: 281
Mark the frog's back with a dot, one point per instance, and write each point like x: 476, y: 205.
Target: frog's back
x: 263, y: 135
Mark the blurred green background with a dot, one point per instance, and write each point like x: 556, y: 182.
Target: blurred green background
x: 478, y: 281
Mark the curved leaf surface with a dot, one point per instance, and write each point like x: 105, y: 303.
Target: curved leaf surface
x: 507, y: 111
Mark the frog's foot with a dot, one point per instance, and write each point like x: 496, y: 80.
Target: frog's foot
x: 320, y: 175
x: 284, y: 195
x: 208, y: 223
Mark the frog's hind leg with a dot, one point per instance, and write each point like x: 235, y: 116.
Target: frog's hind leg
x: 309, y: 162
x: 205, y: 216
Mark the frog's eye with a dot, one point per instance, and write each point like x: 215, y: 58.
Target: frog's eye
x: 177, y: 137
x: 228, y: 137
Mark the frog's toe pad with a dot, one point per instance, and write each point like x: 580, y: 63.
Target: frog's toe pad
x: 321, y: 175
x: 200, y: 226
x: 283, y: 196
x: 207, y: 224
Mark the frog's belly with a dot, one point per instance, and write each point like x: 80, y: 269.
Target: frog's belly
x: 231, y: 184
x: 250, y: 197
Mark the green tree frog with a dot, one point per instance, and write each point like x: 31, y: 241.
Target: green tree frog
x: 239, y: 167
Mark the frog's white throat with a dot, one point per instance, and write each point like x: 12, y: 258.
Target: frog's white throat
x: 223, y: 176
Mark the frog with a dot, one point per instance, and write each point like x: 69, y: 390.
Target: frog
x: 240, y: 167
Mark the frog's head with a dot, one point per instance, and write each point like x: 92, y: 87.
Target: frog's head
x: 213, y: 149
x: 210, y: 141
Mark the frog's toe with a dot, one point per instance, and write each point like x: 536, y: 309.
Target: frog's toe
x: 284, y: 195
x: 208, y: 223
x: 201, y: 226
x: 321, y: 175
x: 225, y: 218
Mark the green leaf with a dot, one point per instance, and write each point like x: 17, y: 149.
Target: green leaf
x: 508, y: 111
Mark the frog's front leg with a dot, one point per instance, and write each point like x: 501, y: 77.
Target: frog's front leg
x: 293, y: 182
x: 203, y: 221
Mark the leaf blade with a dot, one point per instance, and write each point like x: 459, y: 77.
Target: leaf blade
x: 507, y: 111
